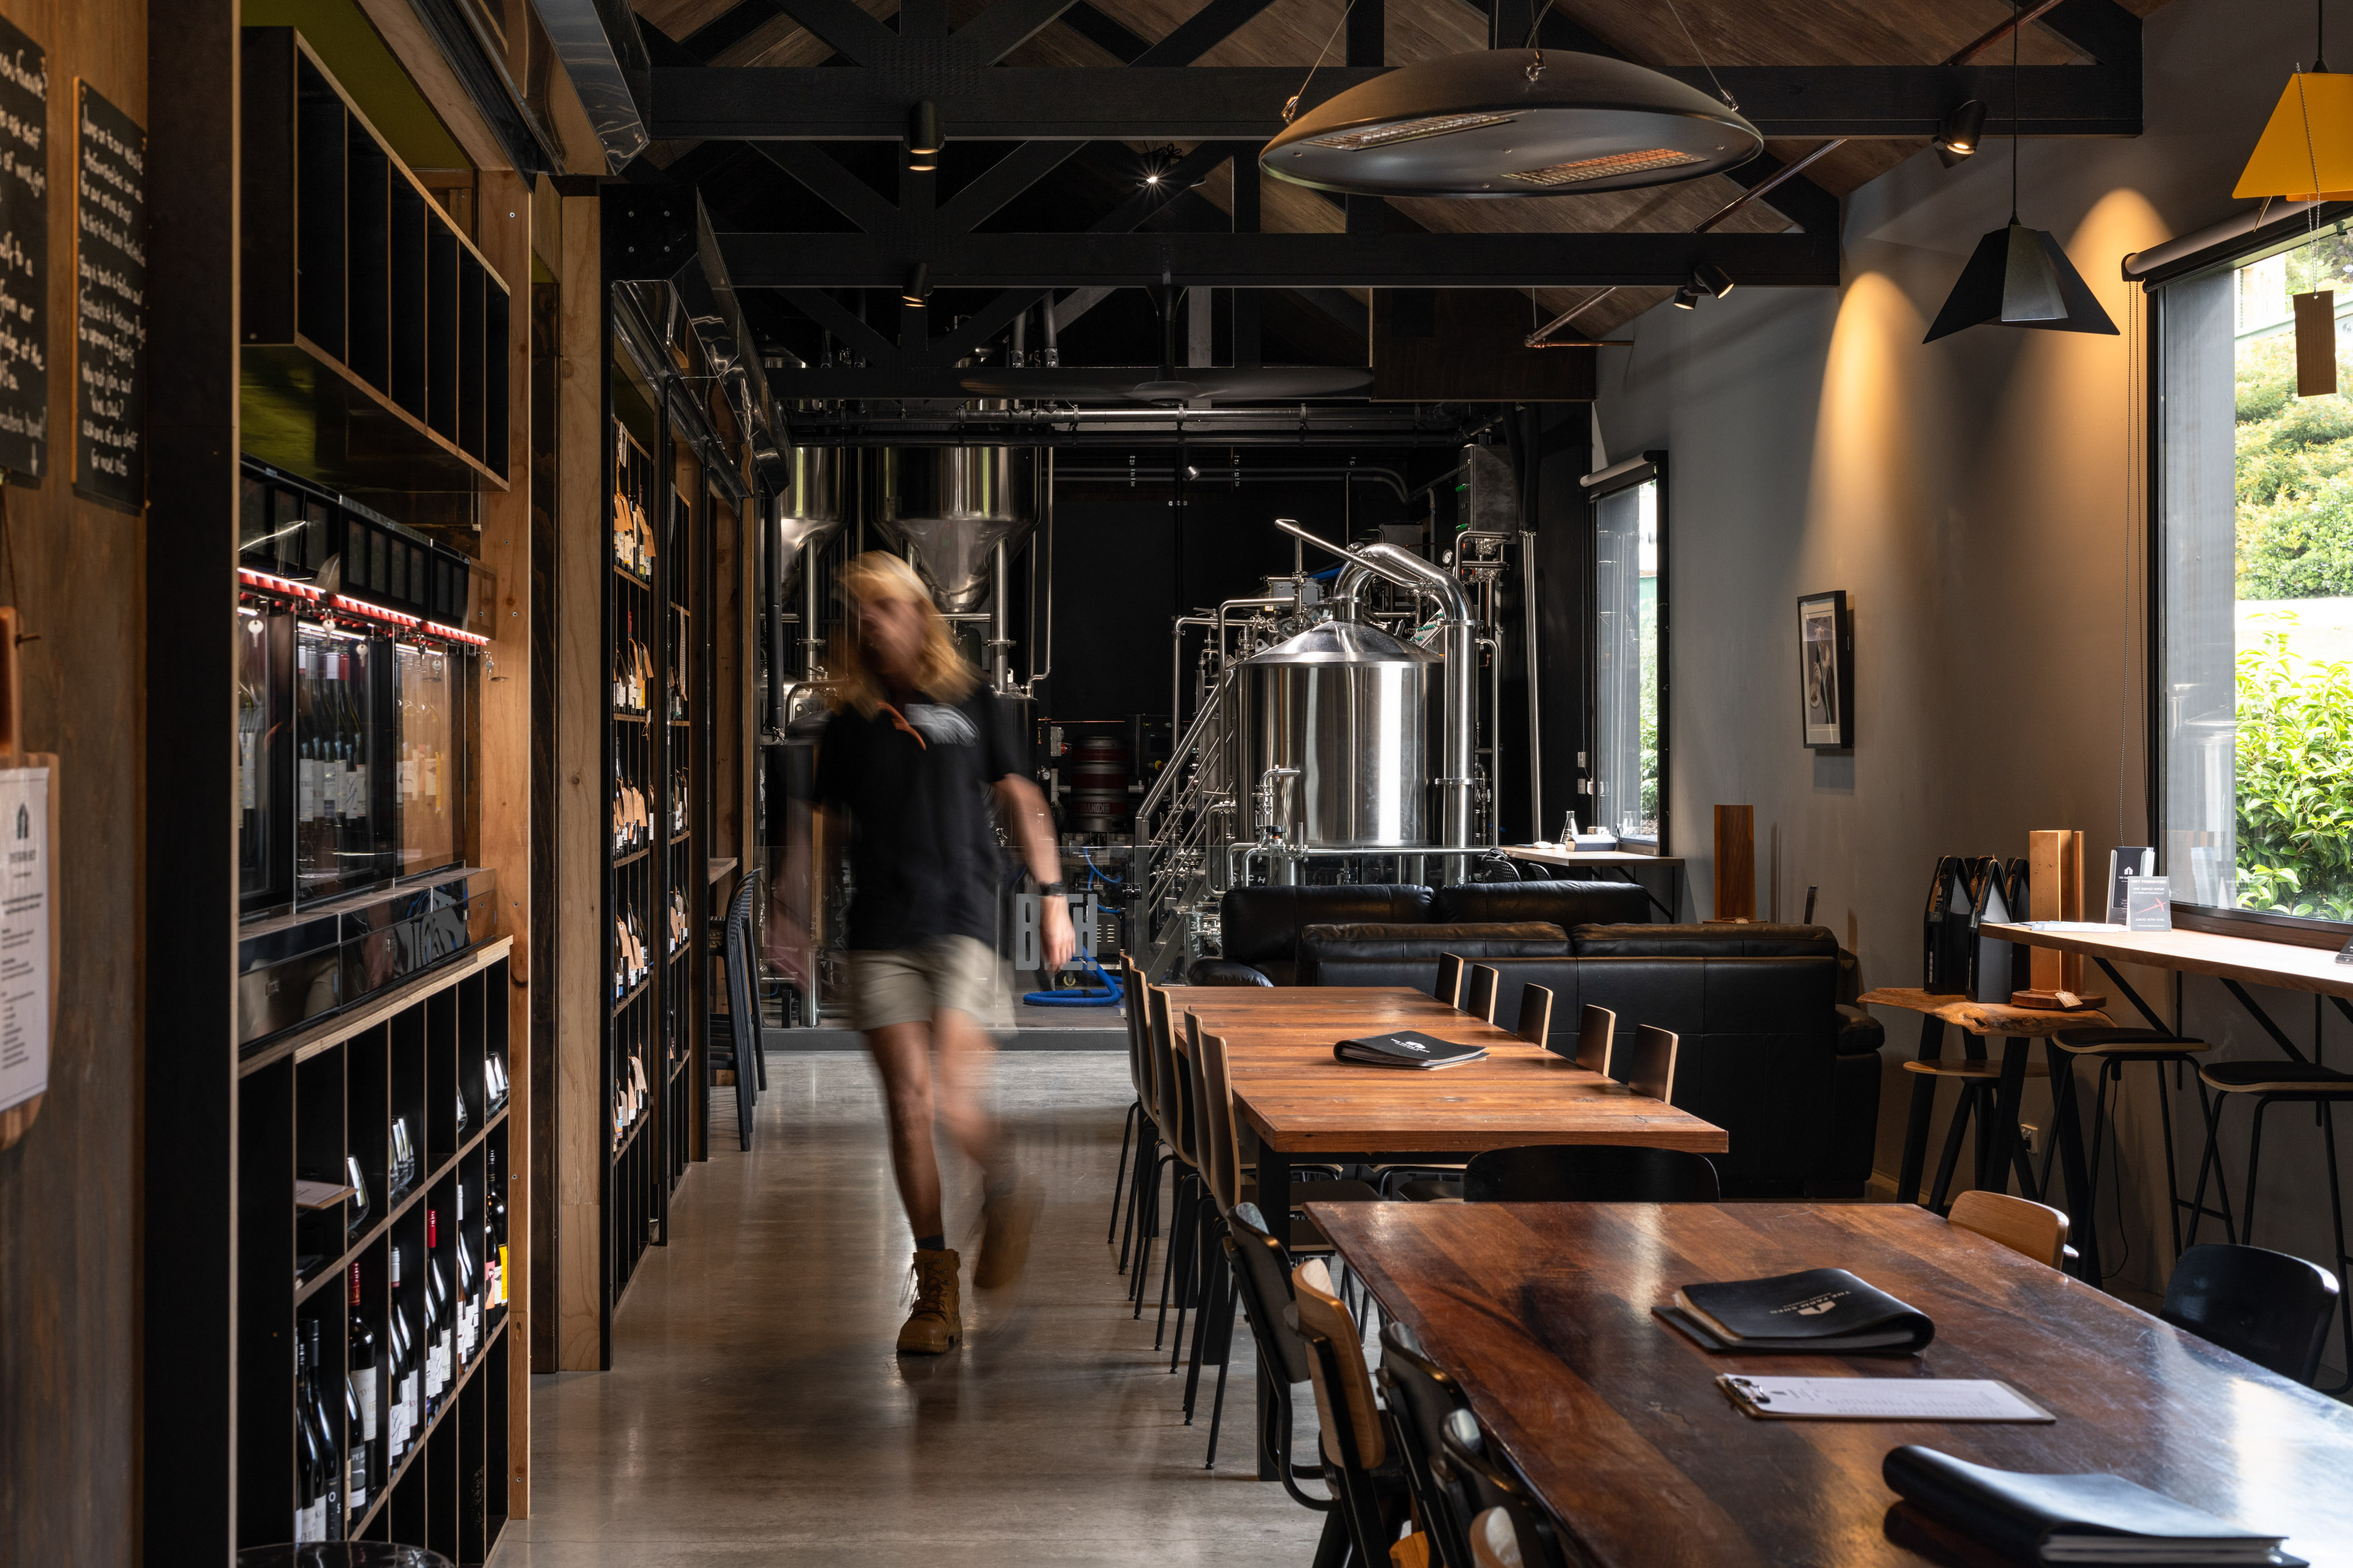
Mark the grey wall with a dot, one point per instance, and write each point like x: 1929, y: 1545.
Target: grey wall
x: 1981, y: 500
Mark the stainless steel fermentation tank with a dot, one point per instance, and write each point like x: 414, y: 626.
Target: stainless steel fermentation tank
x: 1329, y: 739
x: 956, y: 509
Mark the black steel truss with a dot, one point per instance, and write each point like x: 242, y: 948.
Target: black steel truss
x: 1007, y: 103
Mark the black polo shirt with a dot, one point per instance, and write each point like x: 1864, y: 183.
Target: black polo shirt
x: 914, y: 781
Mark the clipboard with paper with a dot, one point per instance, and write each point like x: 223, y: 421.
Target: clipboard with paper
x: 1960, y: 1399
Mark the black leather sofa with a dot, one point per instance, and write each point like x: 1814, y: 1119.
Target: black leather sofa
x: 1773, y: 1049
x: 1262, y: 926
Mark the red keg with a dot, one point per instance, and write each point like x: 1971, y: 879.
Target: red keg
x: 1099, y: 799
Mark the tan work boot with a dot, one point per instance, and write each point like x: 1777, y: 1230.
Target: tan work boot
x: 1006, y: 1220
x: 937, y: 1322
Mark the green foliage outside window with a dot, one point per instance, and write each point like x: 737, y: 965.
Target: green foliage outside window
x: 2295, y: 480
x: 2295, y: 789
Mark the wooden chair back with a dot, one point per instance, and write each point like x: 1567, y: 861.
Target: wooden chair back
x: 1535, y: 1014
x: 1596, y: 1028
x: 1182, y: 1090
x: 1139, y: 1052
x: 2037, y: 1230
x: 1167, y: 1082
x: 1220, y: 1143
x: 1344, y: 1388
x: 1449, y: 979
x: 1481, y: 1001
x: 1649, y: 1063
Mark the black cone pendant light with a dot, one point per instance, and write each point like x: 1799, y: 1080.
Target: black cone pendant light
x: 2018, y: 276
x: 1511, y: 123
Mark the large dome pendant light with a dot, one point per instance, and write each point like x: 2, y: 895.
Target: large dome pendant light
x: 2020, y: 277
x: 1511, y: 123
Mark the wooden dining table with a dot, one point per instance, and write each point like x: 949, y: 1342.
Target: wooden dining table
x: 1301, y: 1101
x: 1543, y: 1314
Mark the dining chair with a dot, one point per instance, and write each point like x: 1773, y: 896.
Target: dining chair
x: 1153, y: 1151
x: 1419, y: 1395
x: 1187, y: 1195
x: 2269, y: 1307
x: 1261, y: 1273
x: 1535, y: 1014
x: 2036, y: 1230
x: 1479, y: 998
x: 1137, y: 1071
x: 1168, y: 1107
x: 1597, y: 1031
x: 1449, y: 988
x: 1649, y: 1063
x: 1510, y: 1529
x: 1367, y: 1479
x: 1231, y: 1182
x: 1590, y: 1173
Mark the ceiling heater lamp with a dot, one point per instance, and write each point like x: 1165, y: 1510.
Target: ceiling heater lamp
x: 1511, y: 123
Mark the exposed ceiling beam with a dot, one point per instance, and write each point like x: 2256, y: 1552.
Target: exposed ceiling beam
x: 1036, y: 262
x: 1004, y: 27
x: 1245, y: 102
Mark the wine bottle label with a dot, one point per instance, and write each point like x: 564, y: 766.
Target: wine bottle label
x: 356, y: 1480
x: 364, y: 1386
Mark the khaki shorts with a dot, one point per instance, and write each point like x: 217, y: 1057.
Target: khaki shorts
x: 907, y: 986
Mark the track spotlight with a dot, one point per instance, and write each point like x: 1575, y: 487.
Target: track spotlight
x: 923, y: 137
x: 1961, y: 133
x: 1686, y: 297
x: 1711, y: 280
x: 919, y: 285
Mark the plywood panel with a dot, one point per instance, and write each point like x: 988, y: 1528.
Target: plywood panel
x: 503, y: 224
x: 581, y: 803
x: 67, y: 1191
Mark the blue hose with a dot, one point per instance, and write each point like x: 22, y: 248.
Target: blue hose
x: 1101, y: 996
x: 1097, y: 872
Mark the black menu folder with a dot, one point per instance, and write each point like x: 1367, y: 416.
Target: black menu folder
x: 1407, y: 1048
x: 2069, y: 1518
x: 1822, y: 1311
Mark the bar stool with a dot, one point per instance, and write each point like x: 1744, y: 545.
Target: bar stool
x: 2271, y: 1082
x: 1980, y: 1081
x: 2114, y: 1049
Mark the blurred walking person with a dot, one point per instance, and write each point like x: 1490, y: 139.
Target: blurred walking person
x: 911, y: 766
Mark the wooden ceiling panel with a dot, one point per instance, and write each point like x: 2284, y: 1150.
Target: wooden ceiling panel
x: 1807, y: 32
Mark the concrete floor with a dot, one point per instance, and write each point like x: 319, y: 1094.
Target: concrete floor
x: 755, y: 1413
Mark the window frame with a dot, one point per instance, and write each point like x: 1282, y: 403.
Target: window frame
x: 2252, y: 245
x: 1649, y: 467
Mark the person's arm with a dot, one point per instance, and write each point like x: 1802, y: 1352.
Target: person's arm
x: 1032, y: 826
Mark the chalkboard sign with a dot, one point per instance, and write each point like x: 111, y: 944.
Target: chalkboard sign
x: 24, y: 253
x: 109, y: 302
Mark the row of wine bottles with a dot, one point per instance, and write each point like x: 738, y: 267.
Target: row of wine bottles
x: 633, y: 671
x: 393, y: 1386
x: 633, y: 538
x: 679, y: 927
x: 632, y: 960
x: 631, y: 1095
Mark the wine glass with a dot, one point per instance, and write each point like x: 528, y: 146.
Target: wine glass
x: 358, y: 1180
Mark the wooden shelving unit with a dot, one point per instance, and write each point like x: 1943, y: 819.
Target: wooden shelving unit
x: 313, y: 1101
x: 375, y: 331
x: 653, y: 875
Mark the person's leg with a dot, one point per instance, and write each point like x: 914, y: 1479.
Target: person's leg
x: 965, y: 982
x: 963, y: 1052
x: 903, y: 1059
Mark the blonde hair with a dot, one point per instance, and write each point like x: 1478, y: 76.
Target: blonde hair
x: 942, y: 671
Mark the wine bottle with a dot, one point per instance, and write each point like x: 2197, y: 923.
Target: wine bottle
x: 355, y: 1460
x: 469, y: 1292
x: 462, y: 1115
x: 435, y: 1325
x: 400, y: 1347
x: 331, y: 1501
x: 367, y: 1396
x: 494, y: 1234
x: 308, y: 1526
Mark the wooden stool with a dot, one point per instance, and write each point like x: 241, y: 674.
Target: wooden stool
x: 2270, y: 1082
x: 1990, y: 1091
x: 2115, y: 1050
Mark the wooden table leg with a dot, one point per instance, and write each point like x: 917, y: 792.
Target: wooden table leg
x: 2010, y: 1092
x: 1924, y: 1108
x: 2069, y: 1115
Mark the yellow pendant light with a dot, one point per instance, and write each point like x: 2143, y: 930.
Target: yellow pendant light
x: 2309, y: 142
x: 2306, y: 152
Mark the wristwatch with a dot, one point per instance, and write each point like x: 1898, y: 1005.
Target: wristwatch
x: 1053, y: 888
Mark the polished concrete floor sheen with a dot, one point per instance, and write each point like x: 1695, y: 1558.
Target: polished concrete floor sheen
x: 755, y: 1413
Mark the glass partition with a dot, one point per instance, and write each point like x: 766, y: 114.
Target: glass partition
x: 1627, y: 769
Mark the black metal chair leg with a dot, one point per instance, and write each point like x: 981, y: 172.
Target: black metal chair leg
x: 1147, y: 1143
x: 1951, y: 1158
x: 1179, y: 1221
x: 1217, y: 1410
x: 2172, y: 1171
x: 2208, y: 1158
x: 1119, y: 1180
x: 1332, y: 1548
x: 2254, y: 1158
x: 1150, y: 1224
x: 1214, y: 1311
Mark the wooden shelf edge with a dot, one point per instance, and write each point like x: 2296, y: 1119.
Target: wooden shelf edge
x: 345, y: 394
x: 376, y: 1227
x: 304, y: 1043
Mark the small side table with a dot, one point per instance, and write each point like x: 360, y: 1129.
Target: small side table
x: 2015, y: 1027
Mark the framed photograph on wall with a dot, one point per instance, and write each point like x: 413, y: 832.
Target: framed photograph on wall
x: 1826, y: 670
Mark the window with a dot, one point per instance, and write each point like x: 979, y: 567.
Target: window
x: 2255, y: 562
x: 1629, y: 768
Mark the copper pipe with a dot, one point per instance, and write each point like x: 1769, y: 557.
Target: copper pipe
x: 1784, y: 172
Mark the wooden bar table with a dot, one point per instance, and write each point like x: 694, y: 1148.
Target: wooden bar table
x: 1300, y: 1099
x: 1625, y: 862
x: 1542, y: 1311
x: 2237, y: 962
